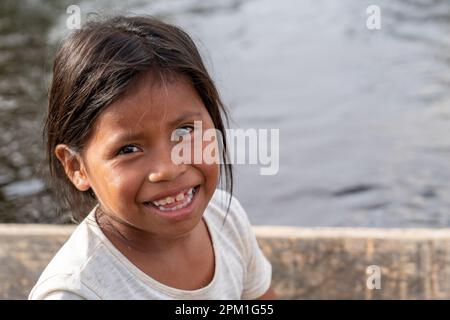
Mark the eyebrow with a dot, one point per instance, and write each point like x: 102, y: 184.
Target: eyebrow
x: 133, y: 135
x: 184, y: 116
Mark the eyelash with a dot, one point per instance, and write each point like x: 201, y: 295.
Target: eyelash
x: 191, y: 127
x: 120, y: 152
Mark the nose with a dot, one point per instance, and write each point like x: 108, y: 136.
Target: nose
x: 165, y: 169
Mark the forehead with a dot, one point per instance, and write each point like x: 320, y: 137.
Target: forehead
x: 152, y: 101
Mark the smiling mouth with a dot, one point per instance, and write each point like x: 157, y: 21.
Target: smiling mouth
x: 174, y: 202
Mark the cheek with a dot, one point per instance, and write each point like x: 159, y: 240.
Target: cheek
x: 211, y: 175
x: 114, y: 182
x: 211, y: 158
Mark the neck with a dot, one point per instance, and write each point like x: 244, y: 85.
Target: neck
x: 130, y: 237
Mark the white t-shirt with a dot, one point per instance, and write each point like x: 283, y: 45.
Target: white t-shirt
x: 89, y: 266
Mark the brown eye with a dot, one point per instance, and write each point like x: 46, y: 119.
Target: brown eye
x: 128, y: 149
x: 185, y: 130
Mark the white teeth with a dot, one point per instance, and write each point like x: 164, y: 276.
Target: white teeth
x: 170, y: 200
x: 186, y: 198
x: 179, y: 197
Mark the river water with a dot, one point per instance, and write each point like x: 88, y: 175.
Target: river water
x: 364, y: 115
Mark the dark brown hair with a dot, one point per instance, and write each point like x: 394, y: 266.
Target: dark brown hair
x: 93, y: 68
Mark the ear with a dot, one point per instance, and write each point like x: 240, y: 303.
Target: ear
x: 74, y: 166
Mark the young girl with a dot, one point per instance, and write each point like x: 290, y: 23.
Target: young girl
x: 121, y: 89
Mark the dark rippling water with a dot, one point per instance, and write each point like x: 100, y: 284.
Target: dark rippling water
x: 364, y: 116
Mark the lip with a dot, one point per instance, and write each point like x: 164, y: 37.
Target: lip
x: 176, y: 214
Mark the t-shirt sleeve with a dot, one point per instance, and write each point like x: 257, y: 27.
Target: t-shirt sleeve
x: 258, y: 269
x: 63, y: 295
x: 62, y: 287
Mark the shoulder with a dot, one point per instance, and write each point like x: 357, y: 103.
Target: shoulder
x: 230, y: 219
x: 62, y: 287
x: 66, y: 271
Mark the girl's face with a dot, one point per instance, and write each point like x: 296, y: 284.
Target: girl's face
x: 128, y: 162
